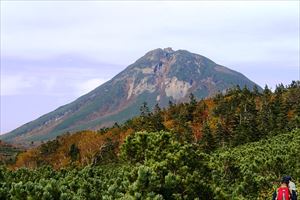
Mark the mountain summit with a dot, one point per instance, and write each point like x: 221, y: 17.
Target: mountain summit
x: 157, y: 77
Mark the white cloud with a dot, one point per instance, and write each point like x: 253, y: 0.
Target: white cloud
x: 16, y: 84
x: 103, y: 30
x: 49, y: 83
x: 60, y: 80
x: 88, y: 85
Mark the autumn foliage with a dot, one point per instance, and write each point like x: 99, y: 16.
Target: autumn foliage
x: 227, y: 120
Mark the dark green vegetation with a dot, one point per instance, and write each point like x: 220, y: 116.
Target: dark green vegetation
x: 158, y: 166
x: 159, y: 76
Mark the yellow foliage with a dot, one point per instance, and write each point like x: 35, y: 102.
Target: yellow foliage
x: 27, y: 159
x: 169, y: 124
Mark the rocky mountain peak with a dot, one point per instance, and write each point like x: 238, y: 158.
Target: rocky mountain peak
x: 159, y: 53
x: 157, y: 77
x: 168, y: 50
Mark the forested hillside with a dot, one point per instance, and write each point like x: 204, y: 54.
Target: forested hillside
x: 233, y: 146
x: 237, y: 117
x: 8, y: 153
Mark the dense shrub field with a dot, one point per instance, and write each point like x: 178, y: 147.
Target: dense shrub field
x: 157, y: 165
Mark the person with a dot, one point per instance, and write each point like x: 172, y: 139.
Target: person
x: 292, y: 188
x: 283, y: 192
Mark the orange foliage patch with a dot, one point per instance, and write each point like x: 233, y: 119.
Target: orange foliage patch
x: 89, y: 144
x: 27, y: 159
x: 169, y: 124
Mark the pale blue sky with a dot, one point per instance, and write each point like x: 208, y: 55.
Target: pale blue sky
x: 52, y: 52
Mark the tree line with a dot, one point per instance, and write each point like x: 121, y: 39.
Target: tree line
x: 235, y: 145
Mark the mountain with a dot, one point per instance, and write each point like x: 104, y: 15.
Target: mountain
x: 157, y: 77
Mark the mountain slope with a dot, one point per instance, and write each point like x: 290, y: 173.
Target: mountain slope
x: 159, y: 76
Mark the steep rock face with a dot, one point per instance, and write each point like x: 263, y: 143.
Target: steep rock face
x: 157, y: 77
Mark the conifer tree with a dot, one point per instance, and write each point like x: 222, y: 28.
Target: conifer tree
x: 265, y: 116
x: 255, y: 91
x: 191, y: 107
x: 279, y: 109
x: 207, y: 140
x: 251, y: 120
x: 74, y: 152
x: 145, y: 118
x: 220, y: 135
x: 144, y: 109
x: 157, y: 119
x: 246, y: 130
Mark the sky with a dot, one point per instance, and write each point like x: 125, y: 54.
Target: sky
x: 52, y: 52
